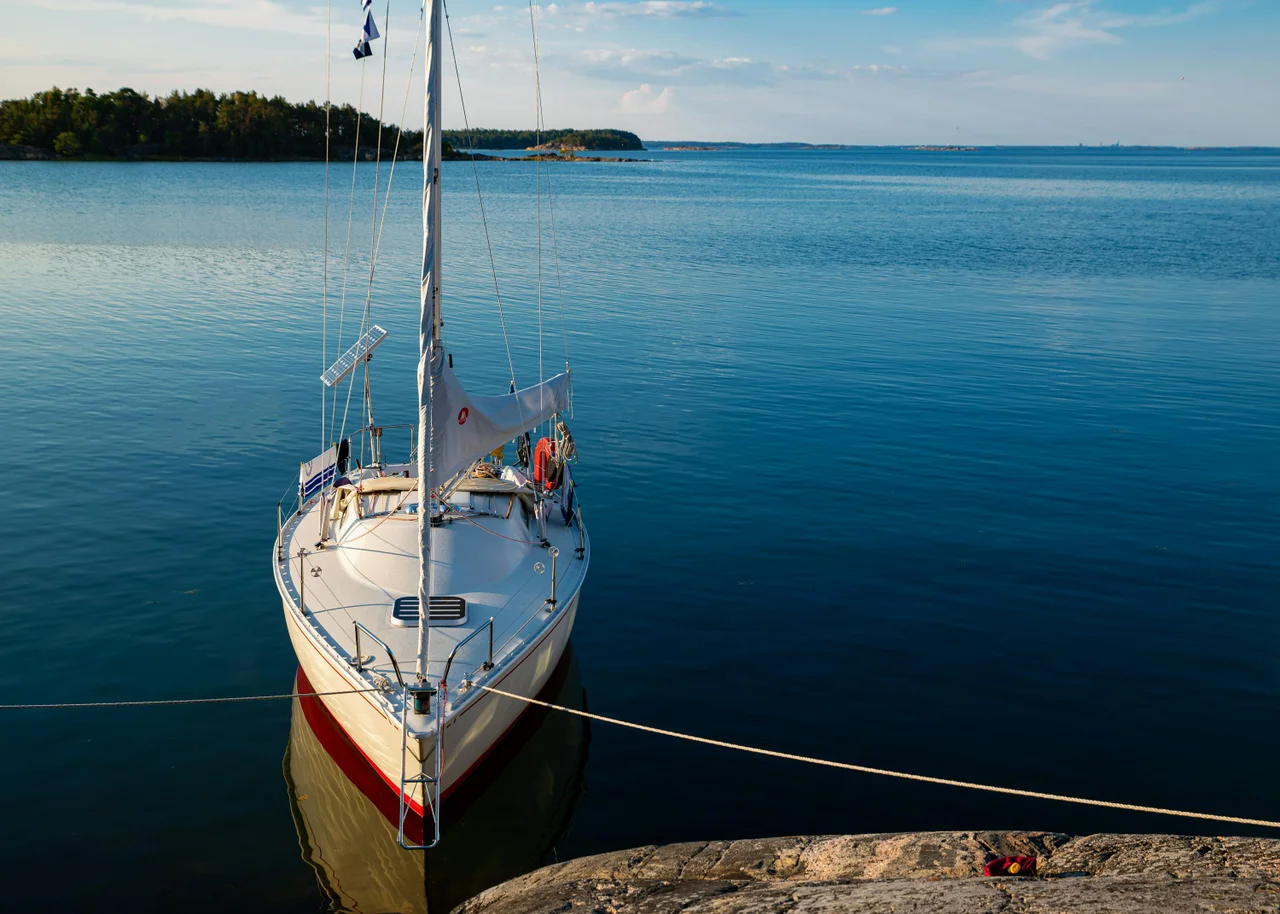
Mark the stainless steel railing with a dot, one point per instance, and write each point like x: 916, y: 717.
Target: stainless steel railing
x: 486, y: 666
x: 358, y: 660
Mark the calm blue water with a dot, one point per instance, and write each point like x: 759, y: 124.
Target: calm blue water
x: 963, y: 464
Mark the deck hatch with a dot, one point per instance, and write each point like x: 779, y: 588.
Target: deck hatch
x: 442, y: 609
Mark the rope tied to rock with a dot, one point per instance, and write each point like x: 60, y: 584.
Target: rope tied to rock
x: 688, y: 737
x: 885, y: 772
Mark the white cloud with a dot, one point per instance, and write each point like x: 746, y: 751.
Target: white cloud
x: 1060, y: 26
x: 662, y: 9
x: 645, y: 100
x: 666, y: 67
x: 1073, y: 23
x: 881, y: 11
x: 1153, y: 19
x: 649, y: 66
x: 624, y: 63
x: 486, y: 23
x: 257, y: 15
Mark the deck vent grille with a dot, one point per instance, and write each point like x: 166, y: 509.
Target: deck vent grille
x: 443, y: 609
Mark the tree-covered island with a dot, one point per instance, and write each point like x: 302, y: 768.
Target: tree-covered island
x: 124, y: 124
x: 562, y: 139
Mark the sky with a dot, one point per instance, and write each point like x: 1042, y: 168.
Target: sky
x: 977, y: 72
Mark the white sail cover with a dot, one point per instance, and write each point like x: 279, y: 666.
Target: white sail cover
x: 467, y: 427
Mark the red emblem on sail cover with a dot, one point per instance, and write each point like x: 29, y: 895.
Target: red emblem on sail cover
x: 462, y: 415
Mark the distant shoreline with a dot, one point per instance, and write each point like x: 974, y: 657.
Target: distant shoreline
x: 201, y: 125
x: 11, y: 153
x: 730, y: 146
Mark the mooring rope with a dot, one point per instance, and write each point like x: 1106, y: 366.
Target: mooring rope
x: 885, y: 772
x: 689, y: 737
x: 179, y: 701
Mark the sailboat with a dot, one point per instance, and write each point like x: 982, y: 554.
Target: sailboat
x: 411, y: 586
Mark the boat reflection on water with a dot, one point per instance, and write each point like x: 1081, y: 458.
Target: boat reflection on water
x: 503, y: 820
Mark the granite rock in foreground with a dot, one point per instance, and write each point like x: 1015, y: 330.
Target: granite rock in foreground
x: 920, y: 872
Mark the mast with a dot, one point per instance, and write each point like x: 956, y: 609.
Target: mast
x: 429, y: 353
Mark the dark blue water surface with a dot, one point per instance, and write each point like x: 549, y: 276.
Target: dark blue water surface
x: 966, y: 464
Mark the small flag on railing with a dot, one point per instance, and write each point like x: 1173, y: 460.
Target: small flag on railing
x: 317, y: 473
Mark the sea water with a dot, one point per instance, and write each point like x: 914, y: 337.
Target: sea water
x: 958, y: 463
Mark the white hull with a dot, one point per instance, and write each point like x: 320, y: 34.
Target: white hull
x: 474, y: 723
x: 507, y: 625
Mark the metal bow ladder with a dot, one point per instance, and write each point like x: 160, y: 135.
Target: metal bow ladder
x: 419, y: 695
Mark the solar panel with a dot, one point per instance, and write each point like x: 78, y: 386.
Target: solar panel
x: 362, y: 349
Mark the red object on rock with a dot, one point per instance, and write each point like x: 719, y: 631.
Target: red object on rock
x: 1010, y: 866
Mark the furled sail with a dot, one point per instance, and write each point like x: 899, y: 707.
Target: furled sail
x: 467, y: 427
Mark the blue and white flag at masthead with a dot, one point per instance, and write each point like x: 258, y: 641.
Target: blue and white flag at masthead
x: 369, y: 33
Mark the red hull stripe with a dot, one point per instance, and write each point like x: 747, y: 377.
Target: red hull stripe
x: 413, y: 804
x: 358, y: 766
x: 494, y: 745
x: 353, y: 762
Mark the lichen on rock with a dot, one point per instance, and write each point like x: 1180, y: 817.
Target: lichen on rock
x: 923, y: 872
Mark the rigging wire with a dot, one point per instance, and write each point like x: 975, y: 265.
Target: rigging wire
x: 346, y: 258
x: 324, y: 321
x: 347, y: 541
x: 395, y: 152
x: 555, y: 253
x: 502, y: 536
x: 551, y: 212
x: 537, y: 157
x: 381, y: 221
x: 373, y: 227
x: 366, y: 404
x: 484, y: 221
